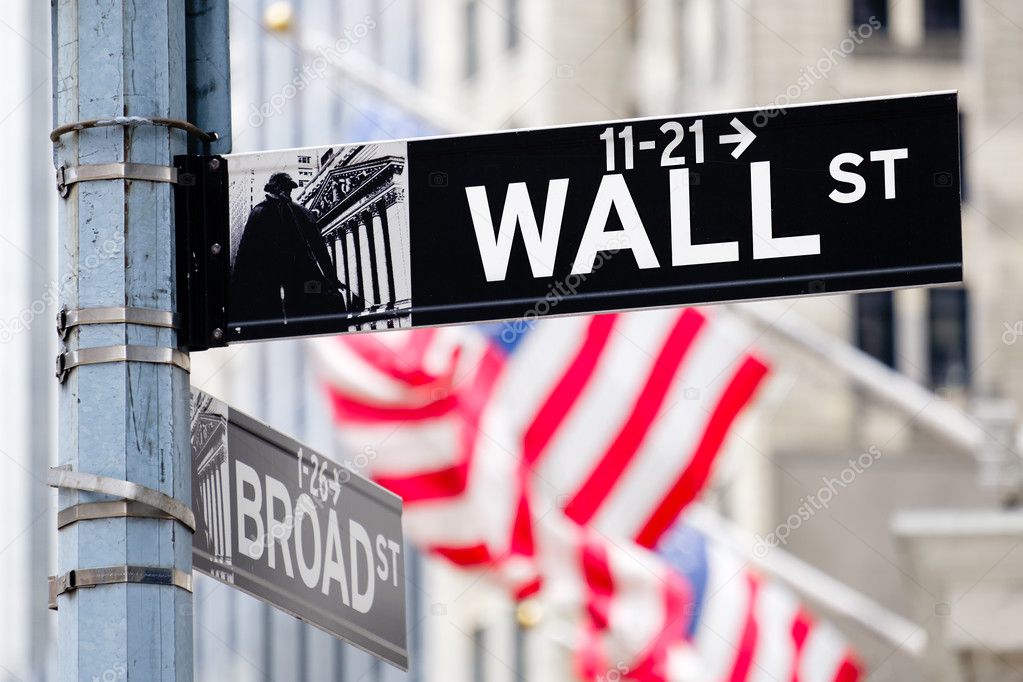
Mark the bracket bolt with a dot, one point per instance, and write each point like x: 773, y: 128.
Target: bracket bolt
x: 214, y: 164
x: 215, y: 249
x: 218, y: 334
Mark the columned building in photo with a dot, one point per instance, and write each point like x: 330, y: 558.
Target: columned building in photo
x: 359, y: 198
x: 213, y: 496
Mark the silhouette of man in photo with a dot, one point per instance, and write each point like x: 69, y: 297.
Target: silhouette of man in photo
x: 283, y: 269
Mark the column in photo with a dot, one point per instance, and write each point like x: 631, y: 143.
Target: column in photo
x: 395, y: 219
x: 353, y: 267
x: 384, y: 279
x: 371, y: 294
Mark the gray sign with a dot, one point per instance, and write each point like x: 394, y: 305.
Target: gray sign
x: 295, y: 529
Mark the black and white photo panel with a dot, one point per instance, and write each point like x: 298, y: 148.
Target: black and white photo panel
x: 319, y: 234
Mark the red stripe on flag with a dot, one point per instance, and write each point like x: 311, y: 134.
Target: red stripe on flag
x: 522, y: 530
x: 415, y: 353
x: 433, y: 485
x: 678, y: 598
x: 800, y: 629
x: 355, y: 410
x: 404, y: 363
x: 567, y: 389
x: 528, y: 590
x: 472, y: 555
x: 589, y: 655
x: 849, y: 671
x: 748, y: 643
x: 596, y: 573
x: 738, y: 392
x: 522, y: 548
x: 600, y: 583
x: 612, y: 464
x: 452, y: 481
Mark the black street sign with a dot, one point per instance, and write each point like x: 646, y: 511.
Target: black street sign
x: 815, y: 199
x: 297, y: 530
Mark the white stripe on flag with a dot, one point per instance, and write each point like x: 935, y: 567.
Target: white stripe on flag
x: 482, y: 514
x: 723, y: 619
x: 776, y: 610
x: 357, y: 379
x: 823, y: 654
x: 669, y: 446
x: 638, y: 609
x: 597, y: 416
x: 401, y: 449
x: 533, y: 371
x: 485, y: 512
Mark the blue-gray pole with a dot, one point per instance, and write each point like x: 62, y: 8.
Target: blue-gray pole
x: 124, y: 420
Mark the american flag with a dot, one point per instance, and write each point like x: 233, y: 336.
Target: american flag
x: 418, y: 406
x: 632, y: 609
x: 620, y: 417
x: 556, y: 452
x: 616, y: 419
x: 745, y: 627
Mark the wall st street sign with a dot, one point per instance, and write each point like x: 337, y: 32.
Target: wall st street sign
x: 297, y: 530
x: 815, y: 199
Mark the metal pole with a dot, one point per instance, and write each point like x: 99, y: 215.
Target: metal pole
x: 123, y: 420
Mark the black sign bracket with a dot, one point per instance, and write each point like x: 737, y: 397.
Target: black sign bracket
x: 204, y: 247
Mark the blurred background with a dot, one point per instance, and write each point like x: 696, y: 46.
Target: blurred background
x: 932, y: 531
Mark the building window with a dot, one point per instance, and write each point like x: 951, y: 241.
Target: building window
x: 865, y: 10
x: 472, y: 39
x: 305, y: 159
x: 478, y: 662
x: 942, y: 16
x: 948, y: 321
x: 875, y: 326
x: 513, y: 36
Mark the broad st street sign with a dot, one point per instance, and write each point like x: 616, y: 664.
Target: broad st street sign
x: 751, y: 204
x: 295, y: 529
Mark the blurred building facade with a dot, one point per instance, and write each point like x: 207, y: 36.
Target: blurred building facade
x: 520, y: 63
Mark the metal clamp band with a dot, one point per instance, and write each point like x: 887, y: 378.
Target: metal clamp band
x: 119, y: 509
x: 156, y: 355
x: 117, y: 575
x: 69, y: 175
x: 61, y: 477
x: 146, y: 317
x: 132, y: 121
